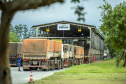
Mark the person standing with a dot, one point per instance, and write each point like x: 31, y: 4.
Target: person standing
x: 19, y: 63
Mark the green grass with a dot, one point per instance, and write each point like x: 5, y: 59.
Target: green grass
x: 97, y: 67
x: 104, y: 72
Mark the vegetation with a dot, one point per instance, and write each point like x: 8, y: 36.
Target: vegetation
x: 22, y: 31
x: 14, y: 37
x: 113, y: 28
x: 95, y: 73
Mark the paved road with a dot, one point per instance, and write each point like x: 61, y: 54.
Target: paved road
x: 21, y: 77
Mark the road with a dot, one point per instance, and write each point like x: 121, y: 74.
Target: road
x: 21, y: 77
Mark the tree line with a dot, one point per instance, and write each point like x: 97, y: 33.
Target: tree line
x: 20, y: 32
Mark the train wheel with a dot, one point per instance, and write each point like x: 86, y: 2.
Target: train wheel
x: 29, y: 69
x: 53, y: 65
x: 48, y: 66
x: 69, y: 63
x: 59, y: 64
x: 36, y: 68
x: 62, y: 64
x: 77, y: 62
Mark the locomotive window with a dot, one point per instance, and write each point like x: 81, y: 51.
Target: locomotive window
x: 65, y: 49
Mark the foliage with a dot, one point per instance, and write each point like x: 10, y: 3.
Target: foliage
x: 32, y: 32
x: 79, y: 10
x: 14, y: 37
x: 25, y: 31
x: 114, y: 27
x: 19, y: 29
x: 22, y: 31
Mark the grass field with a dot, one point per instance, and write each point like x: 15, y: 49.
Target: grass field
x: 104, y: 72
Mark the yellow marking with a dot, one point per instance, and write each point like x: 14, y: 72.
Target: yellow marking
x: 79, y: 30
x: 59, y: 40
x: 47, y: 30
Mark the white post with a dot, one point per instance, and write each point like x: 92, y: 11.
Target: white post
x: 40, y: 32
x: 37, y: 32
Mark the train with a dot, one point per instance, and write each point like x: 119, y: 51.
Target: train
x: 48, y: 55
x: 15, y: 50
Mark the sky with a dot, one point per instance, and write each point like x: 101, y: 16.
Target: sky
x: 62, y: 12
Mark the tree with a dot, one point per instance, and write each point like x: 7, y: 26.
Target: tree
x: 22, y: 31
x: 14, y: 37
x: 11, y: 28
x: 9, y: 8
x: 114, y: 27
x: 25, y: 31
x: 108, y: 46
x: 31, y: 32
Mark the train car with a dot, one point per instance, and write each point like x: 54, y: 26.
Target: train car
x: 66, y: 55
x: 71, y: 55
x: 78, y: 55
x: 49, y: 54
x: 15, y: 50
x: 42, y: 53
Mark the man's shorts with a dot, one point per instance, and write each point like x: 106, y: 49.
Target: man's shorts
x: 19, y: 64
